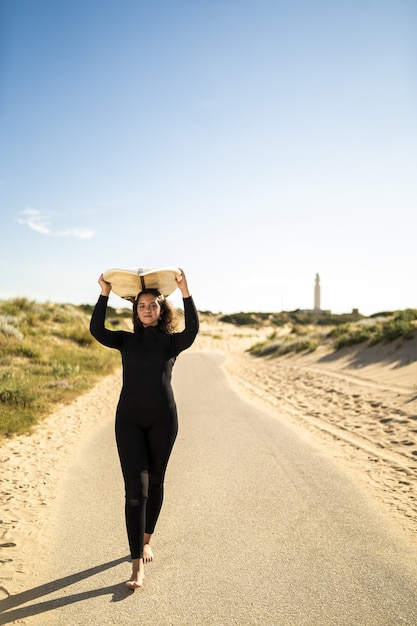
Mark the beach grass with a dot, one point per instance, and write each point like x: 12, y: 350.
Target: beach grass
x: 401, y: 324
x: 48, y: 357
x: 305, y: 334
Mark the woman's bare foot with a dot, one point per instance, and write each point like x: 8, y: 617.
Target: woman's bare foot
x: 138, y: 575
x: 147, y: 550
x: 147, y: 553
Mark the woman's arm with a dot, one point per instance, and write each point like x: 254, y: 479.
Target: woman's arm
x: 185, y: 339
x: 109, y: 338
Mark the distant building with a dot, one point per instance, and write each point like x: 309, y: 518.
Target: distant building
x: 317, y: 299
x: 317, y: 306
x: 355, y: 315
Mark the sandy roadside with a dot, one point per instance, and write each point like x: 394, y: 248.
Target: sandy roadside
x: 363, y: 413
x: 31, y: 468
x: 364, y: 416
x: 360, y: 404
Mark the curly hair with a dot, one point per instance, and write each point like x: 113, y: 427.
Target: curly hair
x: 167, y: 321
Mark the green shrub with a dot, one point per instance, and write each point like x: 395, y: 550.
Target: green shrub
x: 80, y: 335
x: 352, y: 337
x: 394, y: 329
x: 265, y: 349
x: 308, y: 345
x: 279, y: 348
x: 408, y: 315
x: 64, y: 370
x: 21, y: 350
x: 16, y: 396
x: 239, y: 319
x: 400, y: 325
x: 16, y: 306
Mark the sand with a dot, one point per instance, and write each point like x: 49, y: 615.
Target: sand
x: 361, y: 407
x: 31, y: 469
x: 359, y: 403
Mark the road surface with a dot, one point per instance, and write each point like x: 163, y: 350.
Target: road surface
x: 259, y: 526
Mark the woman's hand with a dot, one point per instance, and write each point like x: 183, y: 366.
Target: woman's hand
x: 182, y: 284
x: 105, y: 286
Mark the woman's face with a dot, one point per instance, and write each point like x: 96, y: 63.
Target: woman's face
x: 148, y: 309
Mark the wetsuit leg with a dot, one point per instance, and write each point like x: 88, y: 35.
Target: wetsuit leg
x: 160, y: 440
x: 132, y: 448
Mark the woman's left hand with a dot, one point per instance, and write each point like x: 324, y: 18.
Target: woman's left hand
x: 182, y: 284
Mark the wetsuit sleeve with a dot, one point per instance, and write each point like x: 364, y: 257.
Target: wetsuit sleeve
x: 184, y: 339
x: 109, y: 338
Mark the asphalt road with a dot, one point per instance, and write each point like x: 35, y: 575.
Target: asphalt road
x: 258, y: 527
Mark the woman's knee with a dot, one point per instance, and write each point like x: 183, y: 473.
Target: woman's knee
x: 137, y: 487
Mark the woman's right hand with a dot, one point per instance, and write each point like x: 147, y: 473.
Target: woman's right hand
x: 105, y: 286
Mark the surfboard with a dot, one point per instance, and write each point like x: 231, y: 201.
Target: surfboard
x: 128, y: 283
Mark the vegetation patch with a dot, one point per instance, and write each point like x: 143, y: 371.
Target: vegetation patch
x: 48, y: 357
x: 305, y: 334
x: 279, y: 348
x: 401, y: 324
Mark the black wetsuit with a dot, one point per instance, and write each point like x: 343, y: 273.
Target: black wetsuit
x: 146, y: 416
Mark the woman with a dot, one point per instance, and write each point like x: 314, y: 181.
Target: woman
x: 146, y: 416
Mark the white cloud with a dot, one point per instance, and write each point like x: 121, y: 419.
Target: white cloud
x: 38, y: 222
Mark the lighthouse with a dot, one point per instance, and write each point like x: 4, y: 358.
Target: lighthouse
x: 317, y: 306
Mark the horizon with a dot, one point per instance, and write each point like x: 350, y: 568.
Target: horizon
x: 116, y: 303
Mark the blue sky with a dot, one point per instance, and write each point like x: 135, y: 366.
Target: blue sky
x: 254, y: 144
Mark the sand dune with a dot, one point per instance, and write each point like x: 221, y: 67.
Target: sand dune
x: 360, y: 404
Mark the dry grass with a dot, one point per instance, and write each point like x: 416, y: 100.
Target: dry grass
x: 47, y: 357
